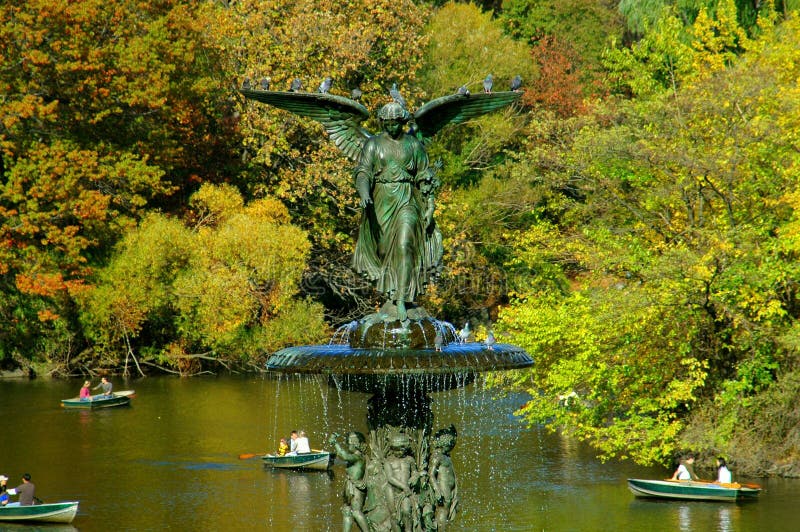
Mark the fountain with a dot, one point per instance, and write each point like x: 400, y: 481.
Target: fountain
x: 400, y: 476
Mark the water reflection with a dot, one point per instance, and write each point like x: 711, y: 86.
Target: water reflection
x: 725, y: 519
x: 684, y: 518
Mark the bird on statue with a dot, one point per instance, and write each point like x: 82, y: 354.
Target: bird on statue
x: 463, y: 334
x: 488, y: 83
x: 490, y: 340
x: 355, y: 94
x: 246, y: 84
x: 516, y: 83
x: 296, y: 85
x: 438, y: 340
x: 264, y: 83
x: 396, y: 96
x: 463, y: 90
x: 325, y: 86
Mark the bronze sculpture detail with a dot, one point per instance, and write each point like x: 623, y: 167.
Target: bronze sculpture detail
x: 405, y: 478
x: 399, y: 247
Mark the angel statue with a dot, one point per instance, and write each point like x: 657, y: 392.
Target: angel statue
x: 399, y: 246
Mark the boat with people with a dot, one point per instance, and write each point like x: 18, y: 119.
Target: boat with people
x: 693, y: 490
x: 57, y: 512
x: 315, y: 460
x: 120, y: 398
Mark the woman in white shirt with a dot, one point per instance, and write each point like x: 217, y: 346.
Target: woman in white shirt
x: 723, y: 473
x: 302, y: 443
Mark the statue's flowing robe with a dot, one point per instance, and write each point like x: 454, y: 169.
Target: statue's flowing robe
x: 393, y: 234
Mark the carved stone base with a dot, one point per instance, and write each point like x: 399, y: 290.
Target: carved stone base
x: 406, y: 478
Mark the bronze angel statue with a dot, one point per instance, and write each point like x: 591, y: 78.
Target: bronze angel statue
x: 399, y: 247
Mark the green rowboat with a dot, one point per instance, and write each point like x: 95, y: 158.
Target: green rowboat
x: 317, y: 460
x: 57, y: 512
x: 100, y: 401
x: 693, y: 490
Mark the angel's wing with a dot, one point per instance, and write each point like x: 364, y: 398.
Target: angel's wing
x: 339, y: 116
x: 457, y: 108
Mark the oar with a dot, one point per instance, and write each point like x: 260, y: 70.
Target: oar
x: 246, y: 456
x: 731, y: 485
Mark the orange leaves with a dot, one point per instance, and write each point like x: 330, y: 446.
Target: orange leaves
x: 41, y: 284
x: 558, y: 86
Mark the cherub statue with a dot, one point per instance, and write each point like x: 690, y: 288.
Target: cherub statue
x: 443, y: 476
x: 355, y: 488
x: 399, y: 246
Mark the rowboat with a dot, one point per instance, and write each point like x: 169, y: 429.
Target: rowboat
x: 57, y: 512
x: 693, y: 490
x: 317, y: 460
x: 120, y: 398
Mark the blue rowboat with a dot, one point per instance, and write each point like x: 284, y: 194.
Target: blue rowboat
x: 57, y: 512
x: 693, y: 490
x: 317, y: 460
x: 100, y: 401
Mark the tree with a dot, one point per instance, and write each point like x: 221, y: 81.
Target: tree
x: 109, y: 108
x: 364, y: 44
x: 676, y: 245
x: 223, y: 289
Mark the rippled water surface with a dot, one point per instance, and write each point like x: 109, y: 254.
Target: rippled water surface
x: 171, y: 461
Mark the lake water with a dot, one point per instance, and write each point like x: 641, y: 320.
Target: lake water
x: 171, y: 461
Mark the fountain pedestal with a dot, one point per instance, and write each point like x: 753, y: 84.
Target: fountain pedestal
x: 404, y: 479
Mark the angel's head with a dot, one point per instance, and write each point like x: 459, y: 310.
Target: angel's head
x: 393, y: 111
x: 393, y: 118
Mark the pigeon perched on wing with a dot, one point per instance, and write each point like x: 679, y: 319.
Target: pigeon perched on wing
x: 325, y: 86
x: 264, y: 84
x: 463, y: 334
x: 396, y: 96
x: 463, y: 90
x: 487, y: 83
x: 246, y: 84
x: 355, y: 94
x: 490, y: 341
x: 516, y: 83
x: 296, y: 85
x: 438, y: 340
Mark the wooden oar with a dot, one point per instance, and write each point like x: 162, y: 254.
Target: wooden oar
x: 733, y: 485
x: 246, y: 456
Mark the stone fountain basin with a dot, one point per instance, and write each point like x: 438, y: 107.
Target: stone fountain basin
x: 378, y: 369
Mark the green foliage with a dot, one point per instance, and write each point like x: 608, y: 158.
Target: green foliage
x: 464, y: 46
x: 215, y: 290
x: 586, y: 24
x: 678, y: 240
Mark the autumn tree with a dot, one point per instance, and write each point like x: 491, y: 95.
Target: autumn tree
x: 673, y: 242
x: 364, y: 44
x: 109, y: 108
x: 218, y: 287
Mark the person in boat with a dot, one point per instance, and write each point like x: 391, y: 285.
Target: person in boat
x: 3, y: 490
x: 685, y: 470
x: 723, y: 473
x: 26, y: 491
x: 86, y: 394
x: 302, y: 443
x: 299, y: 443
x: 106, y: 386
x: 283, y: 447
